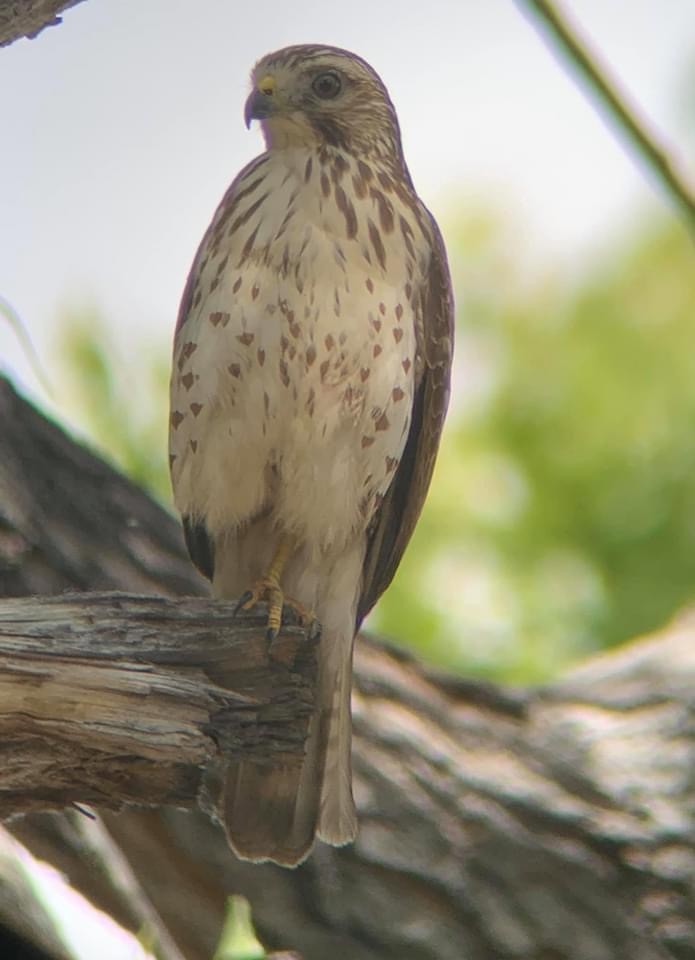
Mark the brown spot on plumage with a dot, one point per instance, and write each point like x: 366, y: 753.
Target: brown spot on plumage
x: 235, y: 370
x: 232, y: 207
x: 376, y: 351
x: 198, y: 297
x: 370, y: 284
x: 398, y: 334
x: 237, y: 285
x: 248, y: 247
x: 340, y: 166
x: 295, y: 329
x: 377, y: 243
x: 196, y: 408
x: 215, y: 284
x: 375, y: 322
x: 365, y: 171
x: 408, y: 291
x: 367, y: 441
x: 323, y: 369
x: 360, y: 187
x: 397, y: 394
x: 246, y: 215
x: 406, y: 364
x: 325, y: 185
x: 307, y: 169
x: 194, y: 445
x: 176, y: 418
x: 188, y: 349
x: 407, y: 236
x: 284, y: 343
x: 364, y: 373
x: 391, y: 464
x: 217, y: 317
x: 382, y: 308
x: 260, y: 356
x: 255, y: 290
x: 246, y: 338
x: 399, y: 312
x: 187, y: 380
x: 382, y: 423
x: 385, y: 181
x: 266, y: 402
x: 342, y: 338
x: 385, y: 208
x: 310, y: 354
x: 348, y: 211
x: 284, y: 375
x: 329, y: 341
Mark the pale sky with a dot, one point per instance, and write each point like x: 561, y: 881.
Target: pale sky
x: 122, y: 127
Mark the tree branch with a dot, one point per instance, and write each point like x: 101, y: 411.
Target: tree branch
x: 613, y: 104
x: 28, y: 18
x: 112, y: 699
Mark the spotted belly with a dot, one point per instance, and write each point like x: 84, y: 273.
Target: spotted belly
x: 292, y: 407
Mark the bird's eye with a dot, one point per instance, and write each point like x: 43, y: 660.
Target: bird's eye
x: 327, y: 85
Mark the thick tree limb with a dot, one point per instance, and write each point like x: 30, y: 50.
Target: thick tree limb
x: 112, y: 699
x: 613, y: 103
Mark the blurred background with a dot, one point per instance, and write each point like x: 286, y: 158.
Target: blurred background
x: 562, y: 515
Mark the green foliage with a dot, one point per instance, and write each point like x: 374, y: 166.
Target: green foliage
x: 118, y: 400
x: 562, y: 517
x: 238, y: 940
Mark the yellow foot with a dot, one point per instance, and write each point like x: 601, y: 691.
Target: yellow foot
x: 268, y: 589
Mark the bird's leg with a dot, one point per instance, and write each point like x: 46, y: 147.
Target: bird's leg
x: 268, y: 588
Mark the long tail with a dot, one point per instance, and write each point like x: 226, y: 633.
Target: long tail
x: 274, y: 811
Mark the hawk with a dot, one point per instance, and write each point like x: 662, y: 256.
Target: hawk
x: 310, y: 381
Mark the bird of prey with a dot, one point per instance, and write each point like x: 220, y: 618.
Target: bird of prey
x: 310, y: 381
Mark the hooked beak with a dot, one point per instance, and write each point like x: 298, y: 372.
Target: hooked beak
x: 261, y: 102
x: 258, y: 106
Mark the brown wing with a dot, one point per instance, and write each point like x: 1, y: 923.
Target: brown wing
x: 395, y: 521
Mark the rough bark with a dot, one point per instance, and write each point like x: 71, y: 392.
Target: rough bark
x: 547, y: 823
x: 27, y: 18
x: 112, y: 699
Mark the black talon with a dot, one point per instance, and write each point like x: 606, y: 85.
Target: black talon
x: 243, y: 599
x: 271, y: 635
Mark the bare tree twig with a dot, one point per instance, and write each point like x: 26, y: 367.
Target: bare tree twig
x: 613, y: 103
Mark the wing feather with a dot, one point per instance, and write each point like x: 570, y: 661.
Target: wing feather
x: 395, y: 520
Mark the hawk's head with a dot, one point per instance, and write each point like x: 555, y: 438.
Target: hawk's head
x: 311, y: 95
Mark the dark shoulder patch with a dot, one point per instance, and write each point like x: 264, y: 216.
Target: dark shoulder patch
x: 200, y: 546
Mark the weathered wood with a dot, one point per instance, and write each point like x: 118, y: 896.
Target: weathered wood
x: 112, y: 699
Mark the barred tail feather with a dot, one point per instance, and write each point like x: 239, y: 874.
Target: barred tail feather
x: 274, y: 811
